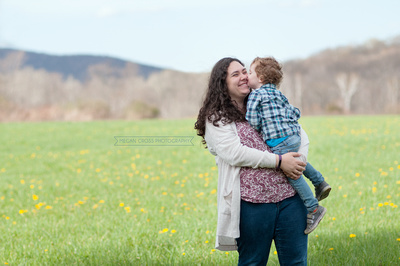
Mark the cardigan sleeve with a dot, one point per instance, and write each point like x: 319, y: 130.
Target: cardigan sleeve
x: 303, y: 150
x: 223, y: 141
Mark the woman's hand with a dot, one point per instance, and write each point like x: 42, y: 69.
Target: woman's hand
x: 291, y: 166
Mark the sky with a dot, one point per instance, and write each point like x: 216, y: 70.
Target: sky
x: 191, y: 36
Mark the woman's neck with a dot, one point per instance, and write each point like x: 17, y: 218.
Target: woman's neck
x: 240, y: 106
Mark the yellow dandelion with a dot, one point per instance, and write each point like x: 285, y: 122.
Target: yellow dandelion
x: 173, y: 231
x: 373, y: 189
x: 183, y: 254
x: 7, y: 218
x: 32, y: 186
x: 352, y: 235
x: 357, y: 174
x: 184, y: 161
x: 48, y: 207
x: 101, y: 201
x: 398, y: 239
x: 95, y: 206
x: 213, y: 191
x: 333, y: 218
x: 383, y: 173
x: 330, y: 249
x: 35, y: 197
x: 22, y: 181
x: 121, y: 204
x: 78, y: 170
x: 345, y: 196
x: 275, y: 252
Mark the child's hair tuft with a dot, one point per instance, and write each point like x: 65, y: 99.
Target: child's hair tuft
x: 268, y: 70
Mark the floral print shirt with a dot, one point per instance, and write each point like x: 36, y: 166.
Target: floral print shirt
x: 261, y: 185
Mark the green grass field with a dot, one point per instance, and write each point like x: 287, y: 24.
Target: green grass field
x: 69, y: 196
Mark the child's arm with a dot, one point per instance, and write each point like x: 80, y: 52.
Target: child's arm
x: 252, y: 113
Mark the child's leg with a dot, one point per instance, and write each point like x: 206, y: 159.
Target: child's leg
x: 305, y: 193
x: 291, y: 144
x: 313, y: 175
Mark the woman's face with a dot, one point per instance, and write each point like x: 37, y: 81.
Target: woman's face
x: 236, y: 81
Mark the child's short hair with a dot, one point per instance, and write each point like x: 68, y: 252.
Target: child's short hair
x: 268, y: 70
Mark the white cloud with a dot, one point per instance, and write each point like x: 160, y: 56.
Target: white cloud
x: 105, y: 12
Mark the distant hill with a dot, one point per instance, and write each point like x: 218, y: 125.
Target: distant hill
x: 362, y: 79
x: 77, y: 66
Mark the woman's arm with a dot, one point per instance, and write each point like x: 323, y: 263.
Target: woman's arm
x: 224, y: 142
x: 303, y: 150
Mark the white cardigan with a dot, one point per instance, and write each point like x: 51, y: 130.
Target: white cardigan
x: 230, y: 155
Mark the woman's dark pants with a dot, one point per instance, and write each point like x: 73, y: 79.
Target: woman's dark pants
x: 284, y: 222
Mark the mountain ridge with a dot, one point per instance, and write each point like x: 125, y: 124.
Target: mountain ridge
x: 77, y: 66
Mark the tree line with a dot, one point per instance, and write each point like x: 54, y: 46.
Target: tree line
x: 360, y: 79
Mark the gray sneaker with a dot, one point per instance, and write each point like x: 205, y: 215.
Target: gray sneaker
x: 322, y: 191
x: 313, y: 219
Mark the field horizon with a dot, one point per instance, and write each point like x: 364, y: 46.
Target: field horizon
x: 69, y: 195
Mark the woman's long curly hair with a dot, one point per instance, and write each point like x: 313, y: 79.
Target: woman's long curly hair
x: 218, y: 105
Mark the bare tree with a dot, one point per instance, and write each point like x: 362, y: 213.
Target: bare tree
x: 298, y: 88
x: 348, y: 85
x: 393, y: 94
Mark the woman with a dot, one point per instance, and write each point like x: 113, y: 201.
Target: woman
x: 256, y: 203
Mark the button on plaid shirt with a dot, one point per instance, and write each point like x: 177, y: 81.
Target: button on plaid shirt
x: 270, y: 112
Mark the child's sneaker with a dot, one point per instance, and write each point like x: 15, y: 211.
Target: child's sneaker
x: 322, y: 191
x: 313, y: 219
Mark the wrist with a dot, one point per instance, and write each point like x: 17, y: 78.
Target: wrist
x: 279, y: 162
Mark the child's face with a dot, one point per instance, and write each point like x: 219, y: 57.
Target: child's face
x: 254, y: 81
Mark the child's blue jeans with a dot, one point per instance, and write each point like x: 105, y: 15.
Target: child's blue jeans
x: 292, y: 144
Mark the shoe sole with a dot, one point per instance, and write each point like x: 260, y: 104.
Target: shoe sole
x: 325, y: 193
x: 316, y: 223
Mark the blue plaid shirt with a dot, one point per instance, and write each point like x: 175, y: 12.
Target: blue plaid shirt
x: 270, y: 112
